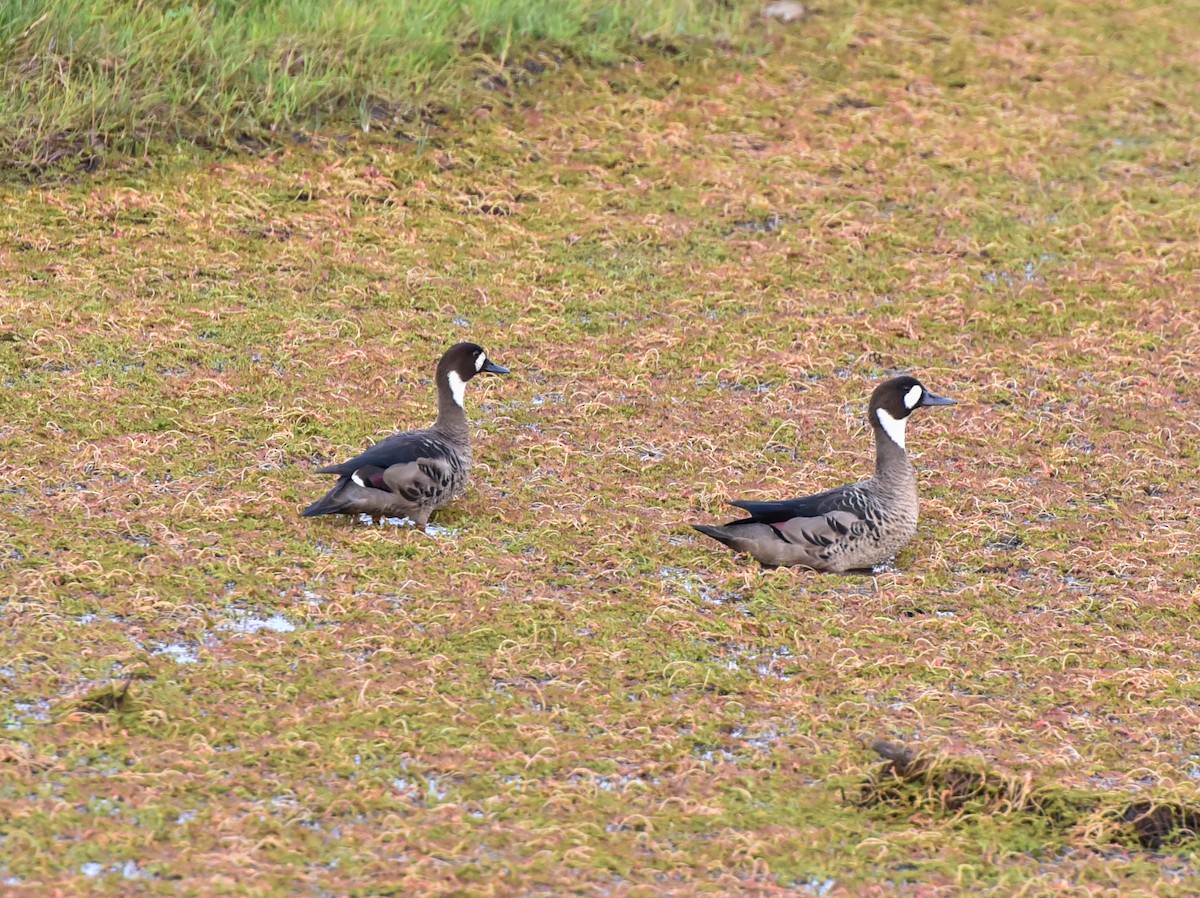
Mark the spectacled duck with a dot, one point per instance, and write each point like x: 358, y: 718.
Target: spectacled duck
x: 851, y: 527
x: 415, y: 473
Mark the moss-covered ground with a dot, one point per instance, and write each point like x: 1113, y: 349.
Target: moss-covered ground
x: 697, y: 271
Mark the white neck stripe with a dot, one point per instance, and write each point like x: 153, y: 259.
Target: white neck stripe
x: 893, y: 427
x: 458, y: 388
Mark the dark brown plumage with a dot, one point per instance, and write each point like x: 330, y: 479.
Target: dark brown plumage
x: 850, y: 527
x: 415, y: 473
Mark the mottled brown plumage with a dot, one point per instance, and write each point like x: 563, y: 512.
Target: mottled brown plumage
x: 415, y: 473
x: 850, y: 527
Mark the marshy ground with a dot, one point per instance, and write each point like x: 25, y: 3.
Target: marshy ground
x: 697, y: 269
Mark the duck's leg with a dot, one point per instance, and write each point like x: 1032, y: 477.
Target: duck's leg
x: 421, y: 518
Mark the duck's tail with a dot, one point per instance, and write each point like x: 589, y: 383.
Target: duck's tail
x: 720, y: 534
x: 333, y: 502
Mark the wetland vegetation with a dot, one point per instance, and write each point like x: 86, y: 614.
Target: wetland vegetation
x: 698, y: 239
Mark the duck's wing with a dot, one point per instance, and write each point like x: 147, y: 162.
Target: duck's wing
x: 411, y: 488
x: 821, y: 531
x: 817, y: 521
x: 805, y: 531
x: 845, y: 500
x: 400, y: 449
x: 423, y: 481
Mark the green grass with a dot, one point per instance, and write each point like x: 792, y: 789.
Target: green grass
x: 77, y: 79
x: 697, y: 269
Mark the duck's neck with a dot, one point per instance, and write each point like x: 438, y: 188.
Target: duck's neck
x: 452, y: 417
x: 890, y: 458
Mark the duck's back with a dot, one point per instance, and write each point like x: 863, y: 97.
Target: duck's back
x: 406, y: 475
x: 414, y: 447
x: 847, y: 528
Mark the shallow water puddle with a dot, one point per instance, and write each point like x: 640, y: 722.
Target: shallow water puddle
x: 185, y: 651
x: 179, y: 653
x: 240, y: 620
x: 437, y: 531
x: 692, y: 586
x: 818, y: 886
x: 717, y: 756
x: 763, y: 740
x: 615, y: 782
x: 24, y: 713
x: 434, y: 791
x: 127, y: 870
x: 767, y: 663
x: 248, y: 622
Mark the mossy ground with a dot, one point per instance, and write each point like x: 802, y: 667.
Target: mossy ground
x: 697, y: 272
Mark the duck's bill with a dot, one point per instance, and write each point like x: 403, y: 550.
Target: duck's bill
x: 492, y: 368
x: 928, y: 398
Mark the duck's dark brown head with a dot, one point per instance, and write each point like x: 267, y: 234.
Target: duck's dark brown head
x: 894, y: 400
x: 461, y: 362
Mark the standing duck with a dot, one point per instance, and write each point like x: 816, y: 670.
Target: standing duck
x: 415, y: 473
x: 850, y: 527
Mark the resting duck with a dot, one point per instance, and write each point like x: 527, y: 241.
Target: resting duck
x: 415, y: 473
x: 850, y: 527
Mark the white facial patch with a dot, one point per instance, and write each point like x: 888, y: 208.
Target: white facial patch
x: 357, y: 479
x: 911, y: 398
x: 480, y: 361
x: 458, y: 387
x: 892, y: 427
